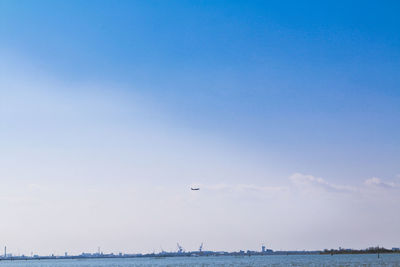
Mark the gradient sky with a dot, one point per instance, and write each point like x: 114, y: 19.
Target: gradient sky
x: 286, y: 114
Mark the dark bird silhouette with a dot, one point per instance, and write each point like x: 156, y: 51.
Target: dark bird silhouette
x: 194, y: 189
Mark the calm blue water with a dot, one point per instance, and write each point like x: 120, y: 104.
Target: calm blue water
x: 275, y: 261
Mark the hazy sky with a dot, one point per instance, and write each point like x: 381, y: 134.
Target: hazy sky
x: 286, y: 114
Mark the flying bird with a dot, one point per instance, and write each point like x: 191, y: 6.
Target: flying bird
x: 195, y: 189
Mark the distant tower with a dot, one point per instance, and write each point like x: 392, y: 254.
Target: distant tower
x: 263, y: 249
x: 180, y: 249
x: 5, y: 251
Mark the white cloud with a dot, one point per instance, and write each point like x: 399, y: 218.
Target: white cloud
x: 308, y: 181
x: 301, y: 183
x: 246, y: 188
x: 376, y: 182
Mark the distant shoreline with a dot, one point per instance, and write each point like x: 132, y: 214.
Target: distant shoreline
x: 189, y: 254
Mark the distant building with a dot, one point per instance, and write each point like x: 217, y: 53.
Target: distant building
x: 395, y: 249
x: 263, y: 249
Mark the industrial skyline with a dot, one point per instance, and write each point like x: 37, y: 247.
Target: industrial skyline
x: 181, y: 252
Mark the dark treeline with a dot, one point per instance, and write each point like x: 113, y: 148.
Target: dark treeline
x: 370, y: 250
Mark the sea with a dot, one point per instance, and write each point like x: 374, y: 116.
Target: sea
x: 270, y: 260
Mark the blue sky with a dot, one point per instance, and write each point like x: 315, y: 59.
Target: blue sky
x: 236, y: 97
